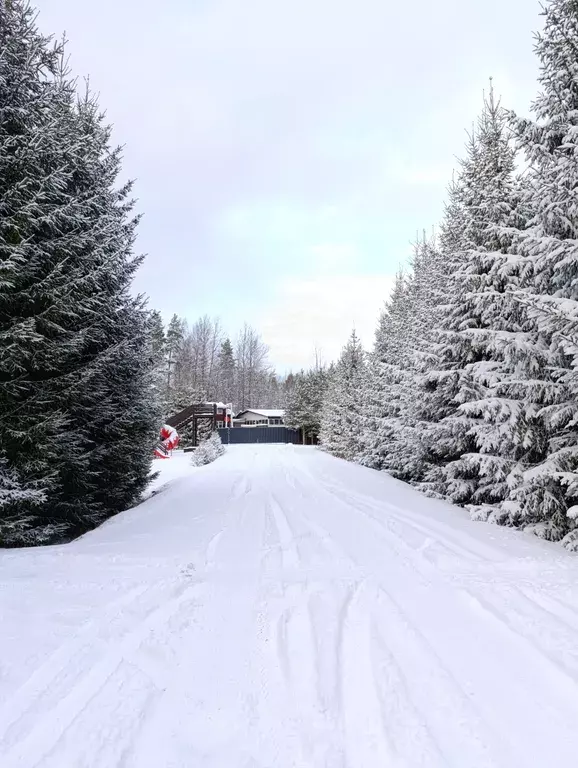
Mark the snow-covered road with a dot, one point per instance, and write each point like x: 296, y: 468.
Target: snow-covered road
x: 281, y: 608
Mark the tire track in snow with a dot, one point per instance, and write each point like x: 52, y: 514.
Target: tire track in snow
x: 289, y: 554
x: 378, y: 514
x: 476, y: 731
x: 367, y: 742
x: 534, y: 637
x: 439, y: 533
x: 553, y: 606
x: 243, y: 488
x: 314, y: 544
x: 48, y: 725
x: 301, y: 677
x: 104, y: 732
x: 211, y: 551
x: 323, y: 536
x: 450, y: 600
x: 405, y: 566
x: 329, y: 609
x: 206, y: 714
x: 45, y: 675
x: 240, y: 490
x: 297, y: 649
x: 307, y: 632
x: 407, y: 724
x: 531, y: 627
x: 430, y: 682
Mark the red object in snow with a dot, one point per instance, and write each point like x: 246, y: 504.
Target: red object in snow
x: 169, y: 441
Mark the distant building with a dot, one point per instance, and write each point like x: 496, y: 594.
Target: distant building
x: 258, y: 417
x: 216, y: 415
x: 224, y: 415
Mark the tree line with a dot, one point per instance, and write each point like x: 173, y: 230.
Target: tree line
x: 471, y: 390
x: 198, y: 362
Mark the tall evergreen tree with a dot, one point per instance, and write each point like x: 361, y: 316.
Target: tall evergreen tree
x: 174, y: 340
x: 158, y: 355
x: 33, y: 180
x: 544, y: 483
x: 305, y: 402
x: 481, y: 319
x: 75, y: 397
x: 287, y: 389
x: 386, y: 380
x: 419, y: 402
x: 226, y: 373
x: 157, y: 333
x: 341, y: 418
x: 468, y: 317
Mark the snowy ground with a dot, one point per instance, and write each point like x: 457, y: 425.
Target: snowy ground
x: 281, y: 608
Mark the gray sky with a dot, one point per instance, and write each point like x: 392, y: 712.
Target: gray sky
x: 287, y: 153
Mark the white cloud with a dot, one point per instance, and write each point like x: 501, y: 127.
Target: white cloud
x: 319, y: 313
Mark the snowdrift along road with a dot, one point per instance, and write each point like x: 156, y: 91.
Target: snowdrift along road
x: 281, y: 608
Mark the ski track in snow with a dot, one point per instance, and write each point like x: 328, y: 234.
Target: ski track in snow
x: 283, y: 609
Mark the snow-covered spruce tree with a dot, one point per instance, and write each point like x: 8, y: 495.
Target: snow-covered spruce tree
x: 122, y: 422
x: 544, y: 484
x: 287, y: 388
x: 157, y: 333
x: 385, y: 382
x: 74, y: 369
x: 305, y: 402
x: 295, y: 406
x: 443, y: 434
x: 174, y: 341
x: 341, y: 419
x: 471, y: 443
x: 419, y: 403
x: 272, y: 392
x: 158, y: 355
x: 32, y: 180
x: 185, y: 388
x: 226, y: 373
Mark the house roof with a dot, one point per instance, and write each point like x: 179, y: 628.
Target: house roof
x: 265, y: 413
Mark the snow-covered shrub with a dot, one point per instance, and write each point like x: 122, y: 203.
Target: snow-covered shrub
x: 570, y: 541
x: 208, y: 451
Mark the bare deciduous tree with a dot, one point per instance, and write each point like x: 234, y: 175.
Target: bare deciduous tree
x: 253, y: 368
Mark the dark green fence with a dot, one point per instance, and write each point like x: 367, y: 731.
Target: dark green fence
x: 252, y: 435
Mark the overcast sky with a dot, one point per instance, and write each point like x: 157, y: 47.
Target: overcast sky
x: 286, y: 153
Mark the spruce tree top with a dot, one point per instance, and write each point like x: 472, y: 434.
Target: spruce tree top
x: 551, y: 142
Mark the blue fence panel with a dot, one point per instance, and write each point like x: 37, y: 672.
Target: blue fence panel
x: 254, y: 435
